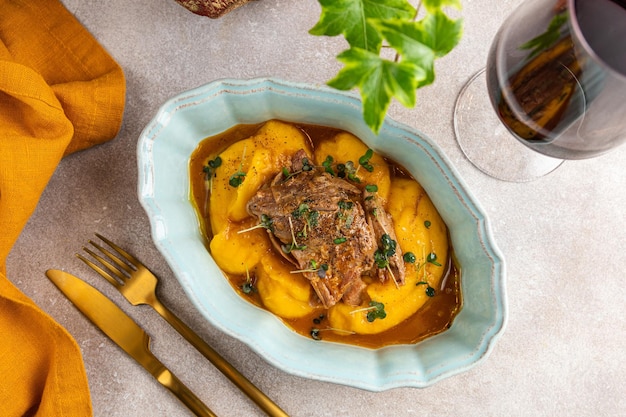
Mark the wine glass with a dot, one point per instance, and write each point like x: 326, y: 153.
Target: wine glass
x: 556, y: 78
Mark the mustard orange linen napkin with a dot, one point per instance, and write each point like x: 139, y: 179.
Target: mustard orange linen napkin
x: 60, y: 92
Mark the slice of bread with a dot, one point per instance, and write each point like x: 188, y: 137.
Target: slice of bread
x: 211, y: 8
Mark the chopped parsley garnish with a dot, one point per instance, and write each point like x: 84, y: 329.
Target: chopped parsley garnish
x: 313, y: 218
x: 302, y: 208
x: 409, y: 257
x: 248, y: 286
x: 432, y: 258
x: 427, y: 224
x: 327, y: 164
x: 364, y: 160
x: 347, y: 170
x: 341, y: 170
x: 371, y: 188
x: 344, y: 214
x: 375, y: 311
x: 266, y: 222
x: 209, y: 170
x: 292, y: 246
x: 310, y: 217
x: 430, y: 291
x: 339, y: 240
x: 321, y: 270
x: 386, y: 250
x: 378, y: 311
x: 345, y: 205
x: 351, y: 171
x: 315, y: 331
x: 212, y: 164
x: 236, y: 179
x: 306, y: 166
x: 380, y: 259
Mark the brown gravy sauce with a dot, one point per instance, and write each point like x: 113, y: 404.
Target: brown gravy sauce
x: 433, y: 318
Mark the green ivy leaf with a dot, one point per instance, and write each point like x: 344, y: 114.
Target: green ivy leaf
x: 350, y: 18
x: 434, y: 5
x: 379, y: 80
x: 366, y: 24
x: 422, y: 42
x: 404, y: 37
x: 439, y: 32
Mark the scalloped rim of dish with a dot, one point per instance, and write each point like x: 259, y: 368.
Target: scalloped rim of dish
x: 176, y: 234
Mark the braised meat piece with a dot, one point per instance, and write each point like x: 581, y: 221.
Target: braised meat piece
x: 385, y: 235
x: 319, y: 223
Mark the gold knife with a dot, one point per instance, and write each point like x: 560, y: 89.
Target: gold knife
x: 116, y: 324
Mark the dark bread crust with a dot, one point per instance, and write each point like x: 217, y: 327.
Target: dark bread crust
x: 211, y: 8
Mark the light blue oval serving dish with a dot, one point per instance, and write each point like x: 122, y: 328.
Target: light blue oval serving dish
x: 164, y: 149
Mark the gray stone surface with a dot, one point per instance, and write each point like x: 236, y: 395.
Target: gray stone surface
x: 563, y: 236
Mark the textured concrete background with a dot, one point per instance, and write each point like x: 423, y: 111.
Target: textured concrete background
x: 563, y: 236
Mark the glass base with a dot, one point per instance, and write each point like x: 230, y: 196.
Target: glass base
x: 488, y: 144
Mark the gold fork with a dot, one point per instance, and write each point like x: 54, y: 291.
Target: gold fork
x: 138, y: 285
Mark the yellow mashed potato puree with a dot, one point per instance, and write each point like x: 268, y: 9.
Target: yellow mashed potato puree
x: 227, y: 170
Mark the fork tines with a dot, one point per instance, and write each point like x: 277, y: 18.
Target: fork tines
x: 117, y: 266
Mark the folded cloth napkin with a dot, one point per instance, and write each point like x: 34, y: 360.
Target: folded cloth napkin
x: 60, y: 92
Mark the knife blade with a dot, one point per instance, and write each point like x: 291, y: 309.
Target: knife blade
x: 127, y: 334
